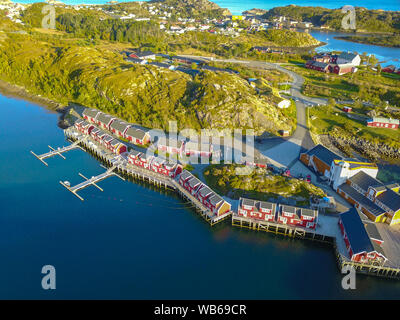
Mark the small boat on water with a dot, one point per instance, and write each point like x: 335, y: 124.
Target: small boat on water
x: 67, y: 183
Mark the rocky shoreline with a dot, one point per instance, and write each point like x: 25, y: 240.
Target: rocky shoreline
x: 350, y: 145
x: 18, y: 92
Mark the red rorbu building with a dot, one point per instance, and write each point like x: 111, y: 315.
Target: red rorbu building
x: 259, y: 210
x: 134, y: 157
x: 90, y: 114
x: 94, y: 133
x: 117, y: 147
x: 217, y: 204
x: 119, y: 127
x: 170, y: 145
x: 184, y: 178
x: 106, y: 140
x: 104, y: 120
x: 316, y: 65
x: 362, y: 239
x: 99, y: 136
x: 300, y: 217
x: 383, y: 123
x: 342, y: 69
x: 137, y: 136
x: 203, y: 193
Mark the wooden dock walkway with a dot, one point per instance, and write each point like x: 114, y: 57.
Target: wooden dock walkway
x: 279, y: 228
x: 92, y: 181
x: 206, y: 213
x: 121, y: 164
x: 57, y: 152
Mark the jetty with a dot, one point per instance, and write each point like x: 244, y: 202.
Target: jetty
x: 92, y: 181
x: 57, y: 152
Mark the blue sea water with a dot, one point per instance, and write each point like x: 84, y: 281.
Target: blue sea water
x: 133, y: 241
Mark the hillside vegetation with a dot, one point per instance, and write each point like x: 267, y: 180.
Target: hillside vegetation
x: 147, y: 95
x: 259, y: 184
x: 366, y: 20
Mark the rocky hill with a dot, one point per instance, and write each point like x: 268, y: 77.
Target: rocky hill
x: 144, y: 94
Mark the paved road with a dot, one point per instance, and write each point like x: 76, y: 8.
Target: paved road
x: 302, y: 102
x: 284, y: 151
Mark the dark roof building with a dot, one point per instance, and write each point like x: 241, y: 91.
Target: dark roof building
x: 357, y: 234
x: 364, y: 181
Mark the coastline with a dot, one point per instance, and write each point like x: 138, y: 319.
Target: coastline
x: 14, y: 91
x: 346, y: 38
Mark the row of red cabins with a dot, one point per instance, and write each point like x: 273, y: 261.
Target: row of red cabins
x: 284, y: 214
x: 120, y: 128
x: 217, y: 205
x: 158, y: 165
x: 101, y: 137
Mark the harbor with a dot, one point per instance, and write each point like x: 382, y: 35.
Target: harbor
x: 326, y: 231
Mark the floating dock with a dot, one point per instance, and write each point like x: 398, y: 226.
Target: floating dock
x: 92, y: 181
x: 57, y: 152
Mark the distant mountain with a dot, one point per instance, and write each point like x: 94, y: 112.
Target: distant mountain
x: 366, y: 20
x: 255, y: 12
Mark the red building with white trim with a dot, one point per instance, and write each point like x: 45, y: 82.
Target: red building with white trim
x: 362, y: 238
x: 383, y: 123
x: 259, y: 210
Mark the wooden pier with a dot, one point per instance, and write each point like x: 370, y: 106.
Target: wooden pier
x: 279, y: 228
x: 92, y: 181
x: 56, y: 152
x: 367, y: 269
x: 206, y: 213
x: 121, y: 165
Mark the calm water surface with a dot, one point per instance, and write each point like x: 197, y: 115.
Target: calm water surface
x: 134, y: 241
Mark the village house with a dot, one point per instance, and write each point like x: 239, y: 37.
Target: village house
x: 119, y: 127
x: 383, y: 123
x: 104, y: 120
x: 137, y: 136
x: 320, y: 159
x: 217, y: 205
x: 144, y: 55
x: 326, y: 58
x: 362, y: 238
x: 198, y: 149
x: 316, y: 65
x: 379, y: 202
x: 106, y: 140
x: 84, y: 126
x: 341, y: 170
x: 117, y: 146
x: 90, y: 114
x: 300, y: 217
x: 347, y: 58
x: 170, y: 145
x: 259, y: 210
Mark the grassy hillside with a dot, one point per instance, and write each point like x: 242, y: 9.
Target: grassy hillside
x: 100, y: 78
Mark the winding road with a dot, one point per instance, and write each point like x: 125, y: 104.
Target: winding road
x: 283, y: 152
